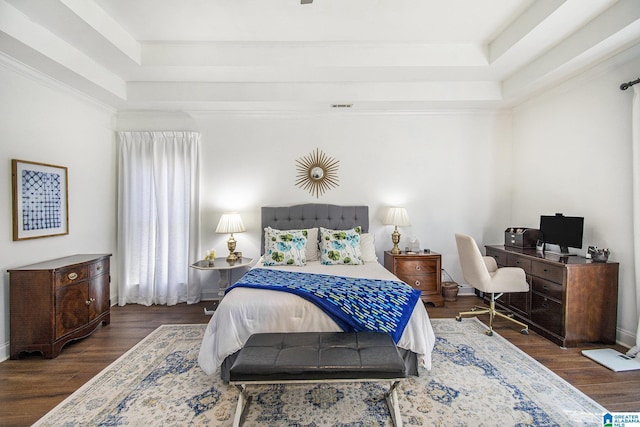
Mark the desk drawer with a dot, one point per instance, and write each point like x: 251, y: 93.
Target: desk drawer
x: 500, y: 257
x: 547, y: 313
x: 547, y: 288
x: 518, y: 261
x: 554, y: 273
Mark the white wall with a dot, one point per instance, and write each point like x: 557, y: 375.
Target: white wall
x: 43, y: 123
x: 449, y: 170
x: 452, y: 171
x: 572, y: 148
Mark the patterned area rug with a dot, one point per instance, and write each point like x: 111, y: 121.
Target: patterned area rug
x: 475, y: 381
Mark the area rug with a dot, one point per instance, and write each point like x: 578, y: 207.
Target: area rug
x: 476, y: 380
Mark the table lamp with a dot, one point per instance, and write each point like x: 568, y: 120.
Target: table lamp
x: 396, y: 217
x: 231, y: 223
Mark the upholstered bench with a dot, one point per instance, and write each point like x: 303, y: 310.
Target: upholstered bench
x: 276, y: 358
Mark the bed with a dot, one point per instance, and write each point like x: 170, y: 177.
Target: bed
x: 244, y: 310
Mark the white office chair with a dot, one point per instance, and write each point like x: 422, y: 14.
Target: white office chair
x: 483, y: 274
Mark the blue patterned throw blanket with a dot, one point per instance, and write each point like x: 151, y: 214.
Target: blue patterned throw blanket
x: 355, y: 304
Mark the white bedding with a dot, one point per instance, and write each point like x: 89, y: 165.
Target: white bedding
x: 245, y: 311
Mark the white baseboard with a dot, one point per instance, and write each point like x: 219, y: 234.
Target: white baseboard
x: 626, y: 338
x: 466, y: 290
x: 4, y: 352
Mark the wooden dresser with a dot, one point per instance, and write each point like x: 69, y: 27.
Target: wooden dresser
x: 571, y: 300
x: 421, y: 271
x: 57, y: 301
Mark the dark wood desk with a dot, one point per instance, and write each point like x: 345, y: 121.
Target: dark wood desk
x: 571, y: 300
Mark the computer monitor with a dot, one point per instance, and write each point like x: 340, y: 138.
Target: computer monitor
x: 564, y: 231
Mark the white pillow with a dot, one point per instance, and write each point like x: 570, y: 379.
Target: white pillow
x: 340, y: 246
x: 312, y: 241
x: 285, y: 248
x: 368, y: 247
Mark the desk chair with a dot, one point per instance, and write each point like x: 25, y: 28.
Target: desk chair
x: 483, y: 274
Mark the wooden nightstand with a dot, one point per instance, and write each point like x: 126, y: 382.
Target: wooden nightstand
x: 421, y: 271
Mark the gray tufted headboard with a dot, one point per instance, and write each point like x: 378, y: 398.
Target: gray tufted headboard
x: 314, y: 215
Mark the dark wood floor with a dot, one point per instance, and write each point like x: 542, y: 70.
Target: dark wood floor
x: 31, y: 386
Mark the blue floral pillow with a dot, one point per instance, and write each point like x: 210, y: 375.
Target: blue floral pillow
x: 285, y: 248
x: 340, y: 246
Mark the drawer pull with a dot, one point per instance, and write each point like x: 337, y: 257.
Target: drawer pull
x: 545, y: 287
x: 72, y: 276
x: 89, y: 301
x: 545, y: 305
x: 418, y: 283
x: 418, y: 267
x: 99, y: 267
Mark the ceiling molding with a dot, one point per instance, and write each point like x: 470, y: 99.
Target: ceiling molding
x: 144, y: 55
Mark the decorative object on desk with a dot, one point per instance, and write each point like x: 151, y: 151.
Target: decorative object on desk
x: 317, y: 172
x: 231, y: 223
x: 598, y: 255
x: 40, y: 200
x: 396, y: 217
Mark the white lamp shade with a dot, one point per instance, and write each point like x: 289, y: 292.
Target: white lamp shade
x: 397, y: 216
x: 230, y: 223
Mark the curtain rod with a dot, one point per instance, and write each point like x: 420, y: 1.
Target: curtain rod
x: 625, y: 86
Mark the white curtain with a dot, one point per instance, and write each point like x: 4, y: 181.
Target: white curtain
x: 158, y: 217
x: 635, y: 157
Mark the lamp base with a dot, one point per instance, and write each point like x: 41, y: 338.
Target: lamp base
x: 395, y: 238
x: 231, y: 245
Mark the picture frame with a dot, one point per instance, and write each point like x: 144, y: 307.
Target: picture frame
x: 40, y: 200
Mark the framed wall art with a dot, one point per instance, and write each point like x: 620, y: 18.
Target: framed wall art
x: 40, y: 200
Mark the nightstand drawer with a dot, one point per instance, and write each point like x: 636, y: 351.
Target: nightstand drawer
x: 415, y: 266
x: 420, y: 271
x: 421, y: 282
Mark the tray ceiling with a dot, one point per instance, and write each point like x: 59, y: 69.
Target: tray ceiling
x: 281, y: 55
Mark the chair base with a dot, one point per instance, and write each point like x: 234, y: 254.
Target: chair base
x: 492, y: 312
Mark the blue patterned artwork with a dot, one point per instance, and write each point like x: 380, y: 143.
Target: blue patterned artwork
x: 40, y: 200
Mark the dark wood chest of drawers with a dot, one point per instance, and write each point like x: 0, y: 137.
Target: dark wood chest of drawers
x: 421, y: 271
x: 571, y: 300
x: 57, y: 301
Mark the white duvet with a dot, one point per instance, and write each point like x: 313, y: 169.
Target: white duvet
x: 245, y: 311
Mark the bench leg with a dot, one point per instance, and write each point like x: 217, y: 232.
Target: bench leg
x: 392, y: 402
x: 243, y: 403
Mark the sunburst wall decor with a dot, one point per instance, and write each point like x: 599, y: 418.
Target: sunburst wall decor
x: 317, y: 172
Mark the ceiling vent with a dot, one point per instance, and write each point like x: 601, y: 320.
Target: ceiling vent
x: 341, y: 105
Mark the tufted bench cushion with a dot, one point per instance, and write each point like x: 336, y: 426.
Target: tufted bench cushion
x: 273, y: 358
x: 318, y: 356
